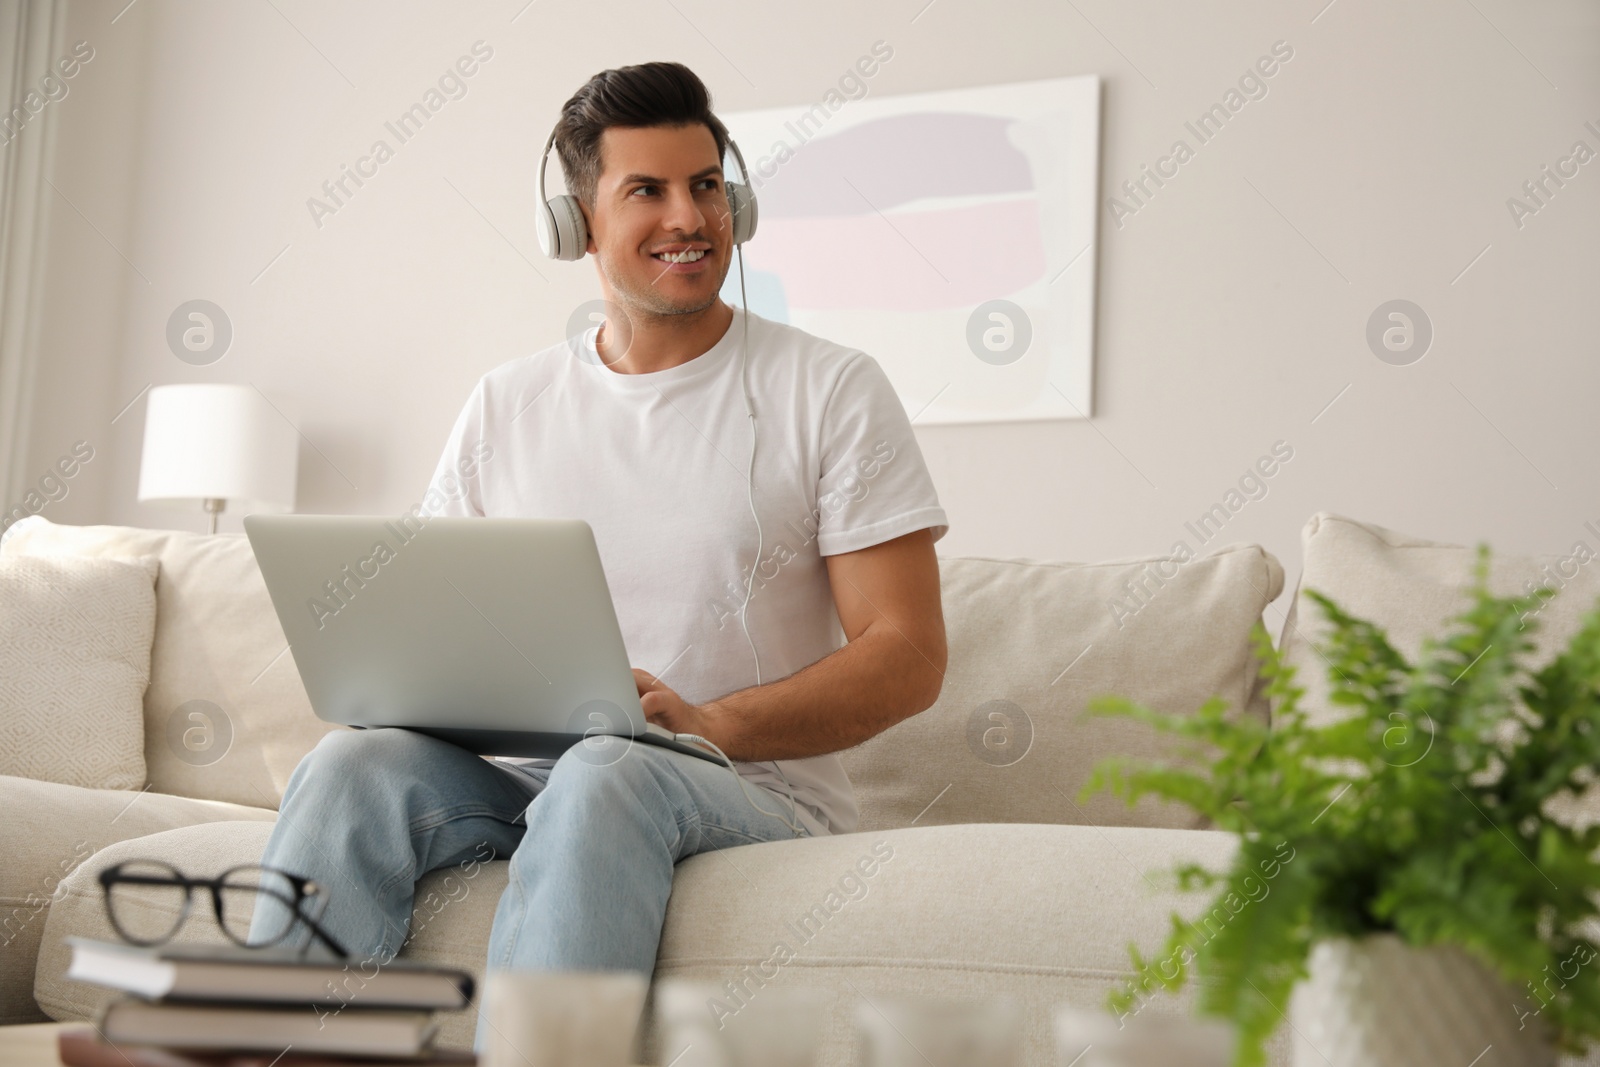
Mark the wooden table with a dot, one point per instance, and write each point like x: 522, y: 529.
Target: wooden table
x: 29, y: 1045
x: 34, y: 1045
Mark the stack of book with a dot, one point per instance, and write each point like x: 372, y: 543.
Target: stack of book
x: 227, y: 1002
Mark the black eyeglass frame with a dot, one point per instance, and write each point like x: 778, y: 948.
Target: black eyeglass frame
x: 304, y: 889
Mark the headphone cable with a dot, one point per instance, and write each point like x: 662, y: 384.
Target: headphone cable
x: 750, y: 485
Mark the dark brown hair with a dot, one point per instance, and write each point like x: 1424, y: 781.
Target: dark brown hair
x: 646, y: 94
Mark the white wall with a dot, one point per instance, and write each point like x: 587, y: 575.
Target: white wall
x: 1232, y: 306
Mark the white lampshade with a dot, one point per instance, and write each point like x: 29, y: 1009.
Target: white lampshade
x: 216, y: 443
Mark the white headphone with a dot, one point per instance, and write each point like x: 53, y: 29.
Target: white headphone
x: 564, y: 235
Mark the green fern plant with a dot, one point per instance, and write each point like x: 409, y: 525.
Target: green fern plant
x: 1421, y: 812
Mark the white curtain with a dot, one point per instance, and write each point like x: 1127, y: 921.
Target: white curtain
x: 32, y: 33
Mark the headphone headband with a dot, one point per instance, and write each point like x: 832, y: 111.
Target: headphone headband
x: 542, y: 159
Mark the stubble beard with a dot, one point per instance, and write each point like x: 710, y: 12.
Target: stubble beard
x: 647, y: 302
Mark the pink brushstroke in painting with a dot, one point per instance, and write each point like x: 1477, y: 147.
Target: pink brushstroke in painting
x: 829, y: 232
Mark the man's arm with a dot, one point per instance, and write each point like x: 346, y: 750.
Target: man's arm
x: 893, y: 666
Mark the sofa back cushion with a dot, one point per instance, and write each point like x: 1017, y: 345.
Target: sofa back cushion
x: 1030, y: 643
x: 227, y: 718
x: 225, y: 714
x: 74, y: 662
x: 1412, y: 587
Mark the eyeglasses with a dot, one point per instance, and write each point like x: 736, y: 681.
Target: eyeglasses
x: 147, y: 901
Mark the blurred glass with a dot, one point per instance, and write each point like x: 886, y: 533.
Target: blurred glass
x: 939, y: 1032
x: 703, y: 1024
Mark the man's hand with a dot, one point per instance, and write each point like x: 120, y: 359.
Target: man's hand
x: 892, y: 666
x: 666, y: 708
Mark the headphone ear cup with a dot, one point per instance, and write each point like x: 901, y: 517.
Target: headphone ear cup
x: 544, y: 224
x: 742, y: 202
x: 563, y: 234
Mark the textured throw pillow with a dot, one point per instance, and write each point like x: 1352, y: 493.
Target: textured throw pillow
x: 1412, y: 587
x: 225, y: 717
x: 74, y: 661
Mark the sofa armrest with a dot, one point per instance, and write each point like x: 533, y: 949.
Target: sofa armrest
x: 48, y: 832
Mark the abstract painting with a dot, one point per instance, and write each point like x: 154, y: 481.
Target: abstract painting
x: 950, y: 235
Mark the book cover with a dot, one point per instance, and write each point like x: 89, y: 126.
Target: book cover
x: 228, y: 973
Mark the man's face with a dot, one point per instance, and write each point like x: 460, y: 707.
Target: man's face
x: 661, y: 189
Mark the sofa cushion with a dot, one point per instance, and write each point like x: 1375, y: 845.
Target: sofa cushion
x: 1030, y: 642
x: 1040, y: 913
x: 225, y: 715
x: 1043, y: 913
x: 1412, y: 587
x: 52, y: 829
x: 467, y: 901
x: 74, y: 662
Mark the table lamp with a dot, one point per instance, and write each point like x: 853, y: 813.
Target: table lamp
x: 215, y: 444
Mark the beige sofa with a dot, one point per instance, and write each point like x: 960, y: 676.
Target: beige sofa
x: 993, y: 876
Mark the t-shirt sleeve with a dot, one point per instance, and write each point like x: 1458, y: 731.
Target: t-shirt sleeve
x: 456, y: 487
x: 874, y: 484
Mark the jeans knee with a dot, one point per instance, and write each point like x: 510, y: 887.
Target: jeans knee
x: 606, y: 766
x: 350, y: 759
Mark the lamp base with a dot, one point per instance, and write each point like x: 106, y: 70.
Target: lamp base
x: 213, y: 506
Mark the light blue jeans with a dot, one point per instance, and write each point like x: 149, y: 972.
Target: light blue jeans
x: 591, y: 841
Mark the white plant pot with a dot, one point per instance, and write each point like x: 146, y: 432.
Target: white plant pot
x: 1378, y: 1002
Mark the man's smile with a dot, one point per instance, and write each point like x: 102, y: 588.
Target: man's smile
x: 683, y: 259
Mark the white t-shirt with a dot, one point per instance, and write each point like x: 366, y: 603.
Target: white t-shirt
x: 656, y: 464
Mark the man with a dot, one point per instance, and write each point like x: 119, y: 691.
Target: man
x: 643, y: 433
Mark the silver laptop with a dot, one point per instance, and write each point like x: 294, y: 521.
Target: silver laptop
x: 498, y: 635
